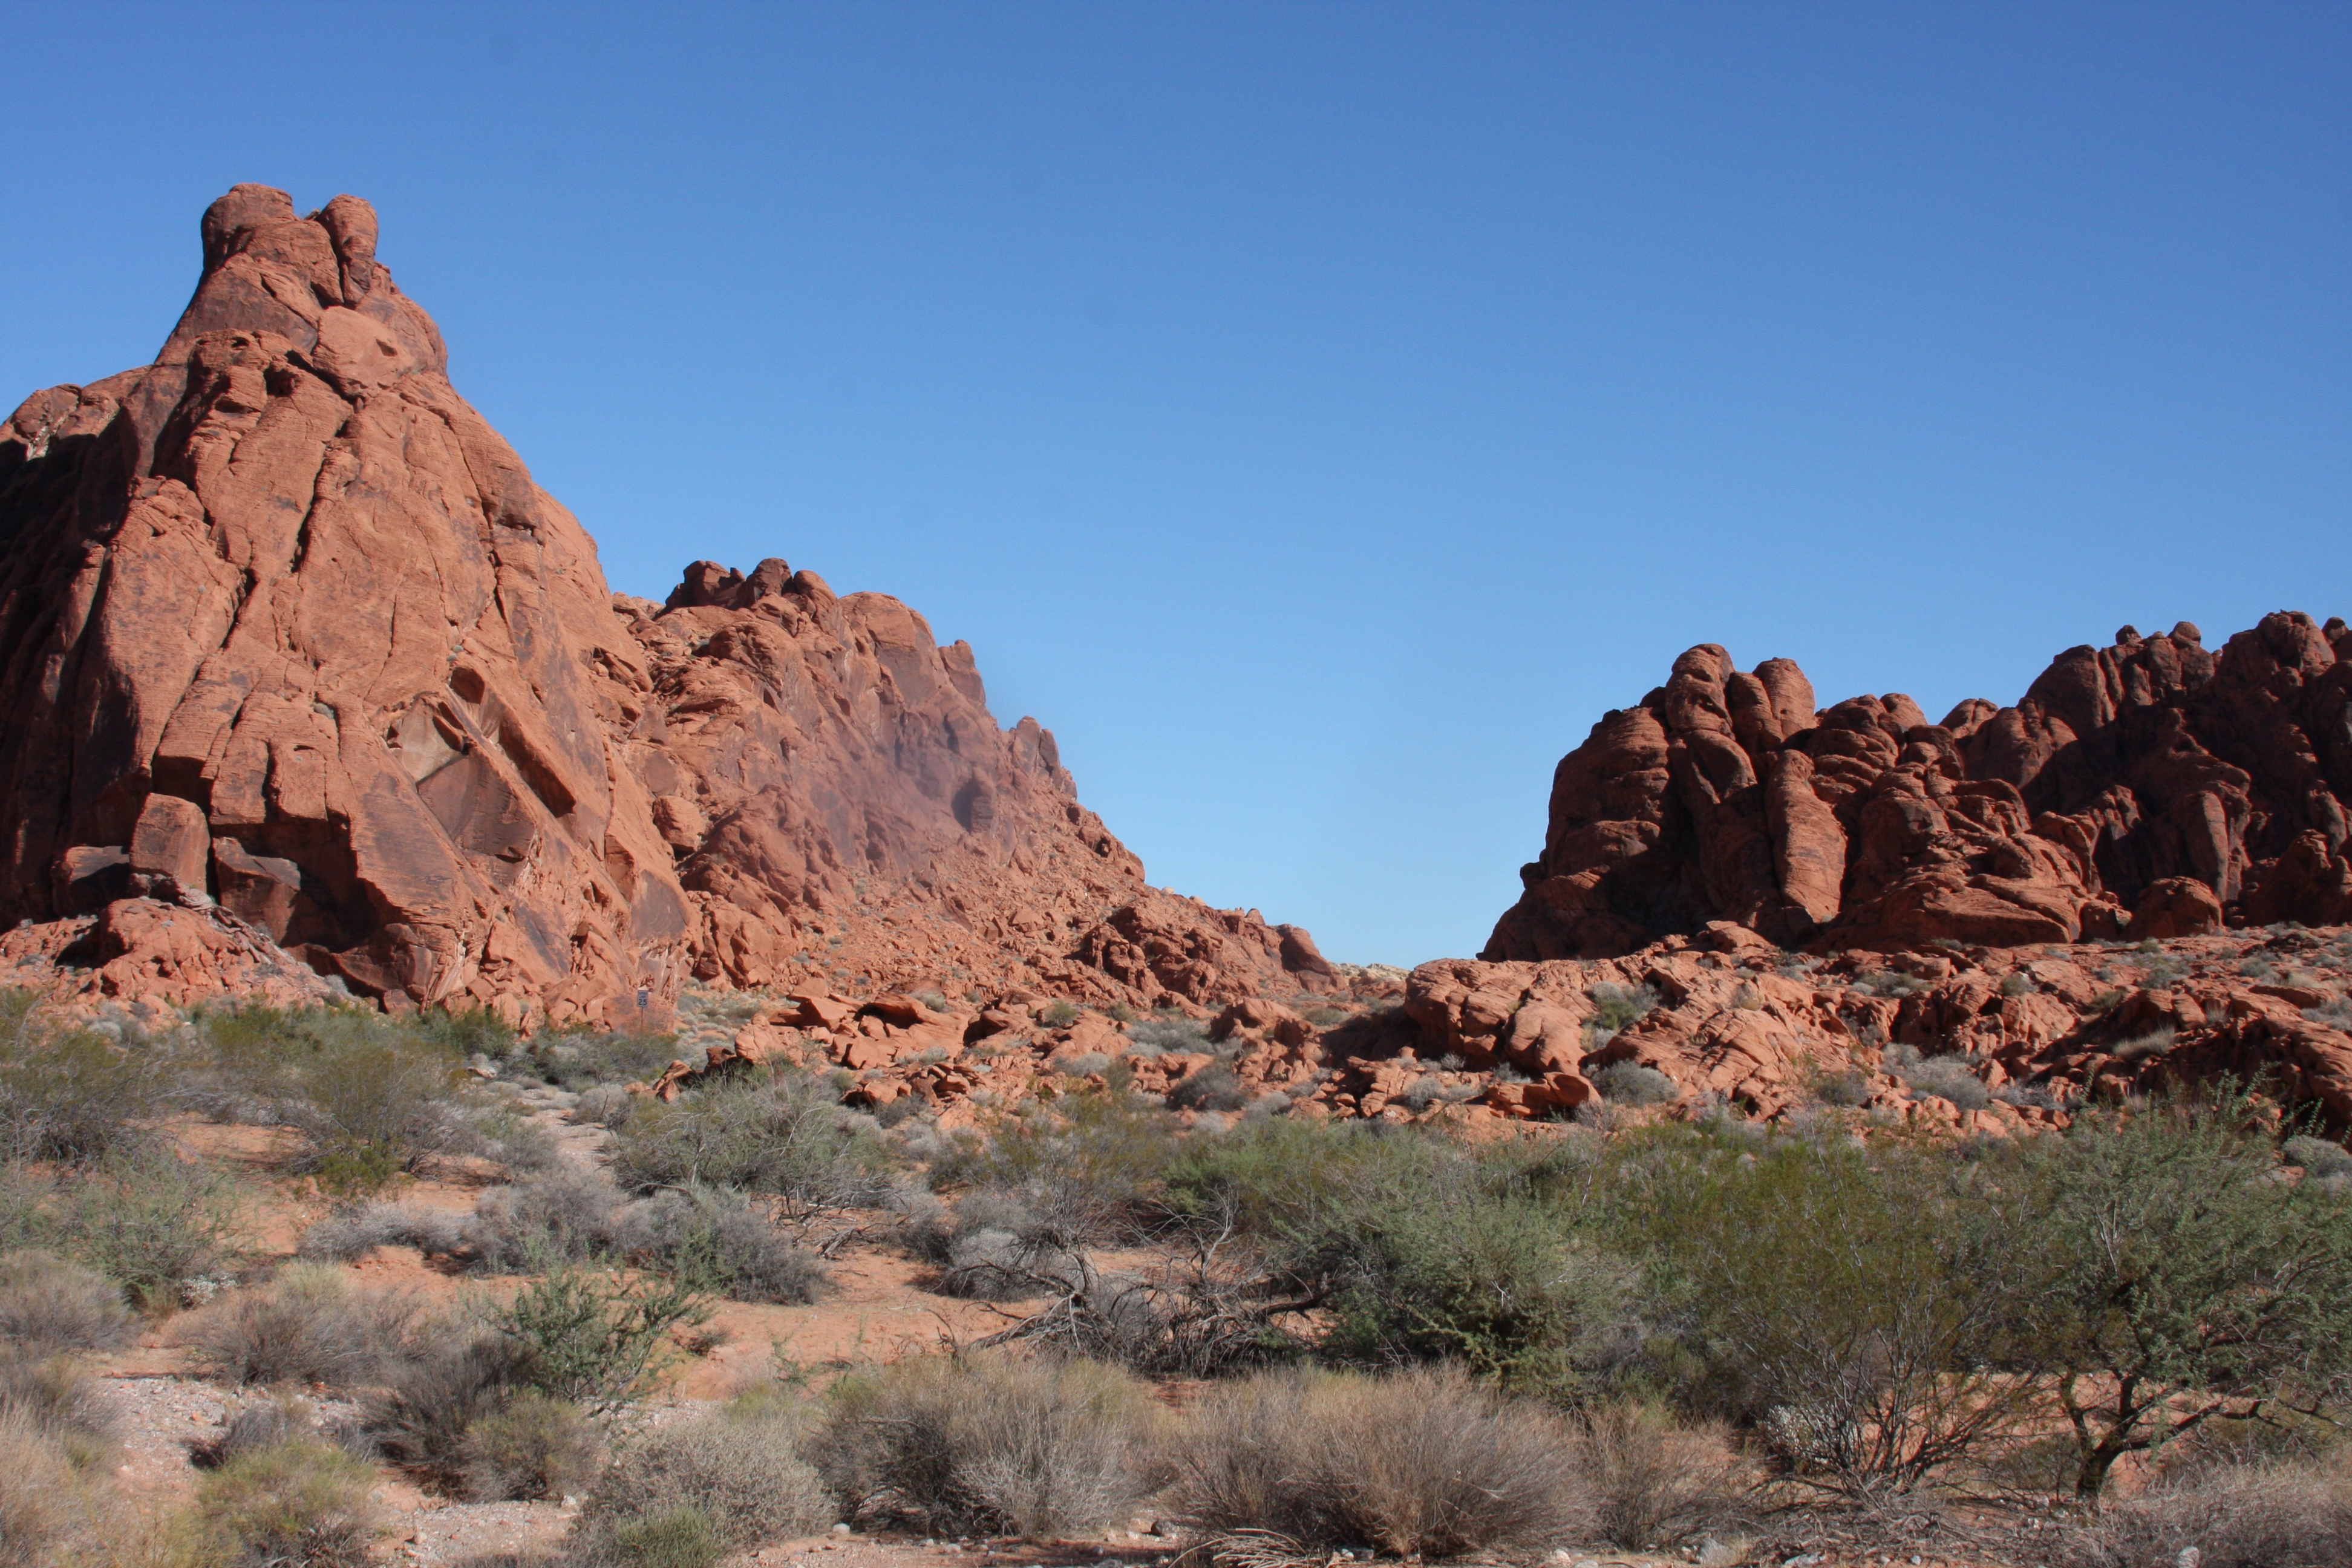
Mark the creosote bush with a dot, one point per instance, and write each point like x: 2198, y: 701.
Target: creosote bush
x: 1421, y: 1463
x: 987, y: 1444
x: 72, y: 1096
x: 1089, y: 1165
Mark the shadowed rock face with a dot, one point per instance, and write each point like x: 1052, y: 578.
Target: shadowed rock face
x: 285, y: 624
x: 2151, y: 786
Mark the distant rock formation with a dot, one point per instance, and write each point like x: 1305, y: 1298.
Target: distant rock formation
x: 289, y: 636
x: 2151, y: 787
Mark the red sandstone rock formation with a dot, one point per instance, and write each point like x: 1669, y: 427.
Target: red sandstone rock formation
x: 289, y: 636
x: 2151, y: 783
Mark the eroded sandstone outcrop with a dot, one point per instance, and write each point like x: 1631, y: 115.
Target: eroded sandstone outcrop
x: 2151, y: 785
x: 289, y: 636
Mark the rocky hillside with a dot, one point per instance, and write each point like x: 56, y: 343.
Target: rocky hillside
x: 311, y: 686
x: 2153, y: 788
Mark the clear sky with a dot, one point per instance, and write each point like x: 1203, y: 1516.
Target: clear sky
x: 1318, y: 415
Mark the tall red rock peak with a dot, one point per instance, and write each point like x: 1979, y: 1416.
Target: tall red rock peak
x: 289, y: 635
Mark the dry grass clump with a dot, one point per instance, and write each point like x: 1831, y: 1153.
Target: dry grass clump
x: 992, y: 1445
x: 297, y: 1502
x: 1655, y: 1483
x: 48, y: 1306
x: 47, y: 1509
x: 2231, y: 1515
x: 1421, y: 1463
x: 306, y: 1326
x: 354, y: 1231
x: 739, y: 1473
x: 55, y: 1399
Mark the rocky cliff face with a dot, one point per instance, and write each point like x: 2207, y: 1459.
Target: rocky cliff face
x: 2152, y: 786
x: 290, y: 638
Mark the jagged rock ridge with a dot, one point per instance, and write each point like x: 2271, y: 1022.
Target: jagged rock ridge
x: 2152, y: 786
x: 291, y: 640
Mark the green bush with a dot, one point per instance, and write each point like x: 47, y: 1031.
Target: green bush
x: 1089, y: 1165
x: 676, y: 1538
x: 153, y: 1222
x: 370, y: 1096
x: 1849, y: 1306
x: 69, y: 1095
x: 957, y: 1445
x: 786, y: 1136
x: 1271, y: 1177
x: 599, y: 1341
x: 2176, y: 1280
x: 1501, y: 1285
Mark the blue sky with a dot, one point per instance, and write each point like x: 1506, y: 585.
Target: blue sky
x: 1318, y: 415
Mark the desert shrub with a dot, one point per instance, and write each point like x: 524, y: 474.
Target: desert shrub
x: 1084, y: 1066
x: 56, y: 1398
x: 522, y: 1145
x: 2139, y: 1048
x: 1060, y: 1014
x: 1154, y: 1036
x: 68, y: 1095
x: 51, y: 1514
x: 357, y: 1229
x: 533, y: 1447
x: 740, y: 1469
x: 1847, y: 1305
x: 2175, y: 1280
x: 264, y: 1424
x: 989, y: 1445
x: 1421, y: 1463
x: 153, y: 1222
x: 2017, y: 982
x: 1617, y: 1007
x: 553, y: 1217
x: 786, y: 1136
x: 2317, y: 1156
x: 676, y: 1538
x: 459, y: 1374
x: 720, y: 1241
x: 1949, y: 1077
x: 604, y: 1105
x: 581, y: 1062
x: 297, y: 1502
x: 1630, y: 1083
x: 49, y: 1305
x: 370, y: 1096
x: 1271, y: 1177
x: 1088, y: 1165
x: 1655, y: 1483
x: 1454, y: 1274
x: 1211, y: 1087
x: 2230, y: 1516
x: 306, y: 1326
x: 601, y: 1342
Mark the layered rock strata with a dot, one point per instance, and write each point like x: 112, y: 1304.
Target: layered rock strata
x: 289, y: 636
